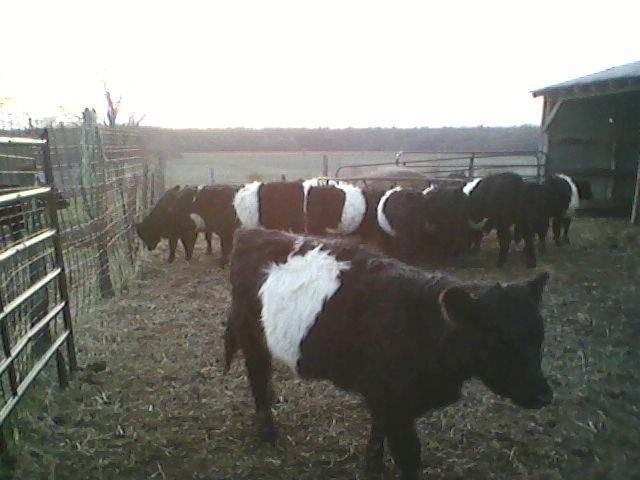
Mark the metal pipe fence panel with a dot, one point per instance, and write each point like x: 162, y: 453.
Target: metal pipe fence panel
x: 69, y: 201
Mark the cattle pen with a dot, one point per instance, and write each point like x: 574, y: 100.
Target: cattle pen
x: 68, y: 202
x: 149, y: 400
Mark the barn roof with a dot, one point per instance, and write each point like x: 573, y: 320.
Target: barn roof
x: 614, y: 79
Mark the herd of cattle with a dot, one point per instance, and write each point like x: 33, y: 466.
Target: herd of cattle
x: 403, y: 337
x: 409, y: 224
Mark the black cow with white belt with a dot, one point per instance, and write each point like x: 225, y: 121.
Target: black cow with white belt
x: 403, y: 338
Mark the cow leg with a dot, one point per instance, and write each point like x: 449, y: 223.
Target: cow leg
x: 517, y: 234
x: 530, y: 249
x: 173, y: 243
x: 374, y: 454
x: 226, y: 244
x: 207, y: 237
x: 556, y: 225
x: 542, y: 235
x: 188, y: 243
x: 405, y: 447
x: 258, y: 362
x: 504, y: 238
x: 566, y: 223
x: 475, y: 240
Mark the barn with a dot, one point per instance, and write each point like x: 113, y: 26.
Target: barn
x: 591, y: 131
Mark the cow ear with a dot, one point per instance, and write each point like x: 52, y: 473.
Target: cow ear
x: 536, y: 286
x: 458, y: 305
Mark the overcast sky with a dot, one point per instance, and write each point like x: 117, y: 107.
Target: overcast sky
x: 306, y: 64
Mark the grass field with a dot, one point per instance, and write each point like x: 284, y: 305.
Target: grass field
x: 151, y: 401
x: 239, y: 167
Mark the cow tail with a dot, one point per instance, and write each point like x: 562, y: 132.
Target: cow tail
x: 230, y: 347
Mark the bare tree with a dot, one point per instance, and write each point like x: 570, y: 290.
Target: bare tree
x: 112, y: 109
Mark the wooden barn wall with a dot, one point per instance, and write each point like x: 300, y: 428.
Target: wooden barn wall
x: 582, y: 138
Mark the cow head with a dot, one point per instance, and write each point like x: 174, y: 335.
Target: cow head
x: 506, y: 330
x: 148, y: 234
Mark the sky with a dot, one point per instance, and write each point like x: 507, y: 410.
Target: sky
x: 237, y: 63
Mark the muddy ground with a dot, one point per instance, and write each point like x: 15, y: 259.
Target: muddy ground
x: 151, y: 402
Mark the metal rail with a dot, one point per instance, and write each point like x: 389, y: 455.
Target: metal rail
x: 23, y: 195
x: 442, y: 160
x: 22, y: 141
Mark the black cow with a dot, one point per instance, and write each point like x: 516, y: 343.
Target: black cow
x: 404, y: 338
x: 402, y: 222
x: 555, y: 200
x: 170, y: 219
x: 497, y: 200
x: 447, y: 214
x: 214, y: 204
x: 562, y: 199
x: 338, y: 208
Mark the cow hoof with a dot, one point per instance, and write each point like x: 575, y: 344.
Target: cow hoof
x: 209, y: 252
x: 531, y: 263
x: 170, y: 260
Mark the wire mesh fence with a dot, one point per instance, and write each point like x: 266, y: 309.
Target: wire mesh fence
x: 104, y: 182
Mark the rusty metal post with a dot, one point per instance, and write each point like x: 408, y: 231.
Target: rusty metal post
x: 57, y: 246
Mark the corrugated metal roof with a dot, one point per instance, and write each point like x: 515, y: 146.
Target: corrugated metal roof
x: 630, y: 71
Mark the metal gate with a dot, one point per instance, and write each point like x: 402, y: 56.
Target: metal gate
x: 35, y: 319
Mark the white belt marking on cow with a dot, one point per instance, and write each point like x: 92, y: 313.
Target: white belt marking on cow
x: 470, y: 186
x: 293, y: 295
x: 247, y: 205
x: 429, y: 189
x: 353, y: 209
x: 383, y: 221
x: 199, y: 221
x: 574, y: 203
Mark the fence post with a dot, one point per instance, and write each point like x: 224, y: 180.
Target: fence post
x: 62, y: 278
x: 472, y: 170
x: 325, y: 166
x: 106, y: 287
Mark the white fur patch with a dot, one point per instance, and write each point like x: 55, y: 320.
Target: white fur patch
x: 429, y: 189
x: 201, y: 187
x: 383, y: 221
x: 199, y: 221
x: 293, y: 295
x: 353, y: 209
x: 470, y: 186
x: 574, y: 203
x: 247, y: 205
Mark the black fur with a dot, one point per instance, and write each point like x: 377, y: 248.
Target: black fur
x: 403, y: 338
x: 499, y: 198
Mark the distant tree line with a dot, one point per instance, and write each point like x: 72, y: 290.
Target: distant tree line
x: 174, y: 141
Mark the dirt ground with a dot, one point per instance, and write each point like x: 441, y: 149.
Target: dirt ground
x: 151, y: 402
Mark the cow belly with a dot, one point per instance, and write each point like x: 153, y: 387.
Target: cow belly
x: 292, y: 297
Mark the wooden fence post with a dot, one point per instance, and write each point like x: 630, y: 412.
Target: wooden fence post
x: 472, y: 170
x: 325, y: 166
x: 94, y: 180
